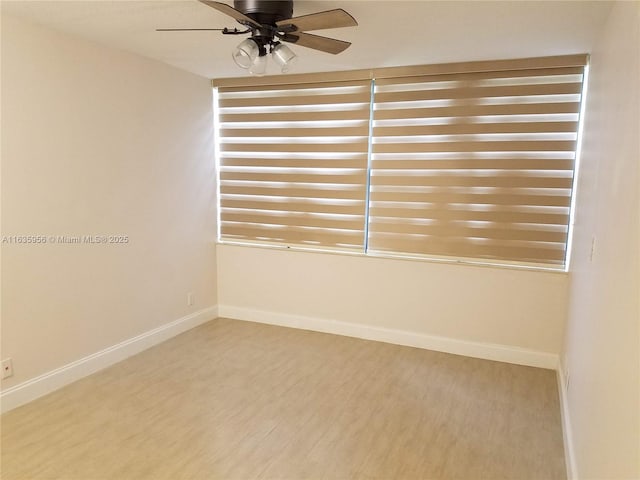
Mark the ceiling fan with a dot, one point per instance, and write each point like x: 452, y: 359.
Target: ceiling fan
x: 271, y: 22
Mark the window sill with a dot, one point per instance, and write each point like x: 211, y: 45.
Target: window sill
x: 404, y: 257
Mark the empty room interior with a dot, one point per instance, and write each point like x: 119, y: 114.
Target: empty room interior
x: 320, y: 239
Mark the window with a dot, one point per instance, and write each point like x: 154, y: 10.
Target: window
x: 468, y: 161
x: 293, y: 163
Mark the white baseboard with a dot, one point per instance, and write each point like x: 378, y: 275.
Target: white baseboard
x: 48, y: 382
x: 567, y: 433
x: 488, y: 351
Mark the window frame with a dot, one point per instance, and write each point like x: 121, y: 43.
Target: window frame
x: 372, y: 75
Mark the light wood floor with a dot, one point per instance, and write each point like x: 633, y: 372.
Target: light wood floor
x: 236, y: 400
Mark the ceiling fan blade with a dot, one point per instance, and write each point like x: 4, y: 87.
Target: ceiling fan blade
x: 189, y: 29
x: 324, y: 44
x: 337, y: 18
x: 232, y: 12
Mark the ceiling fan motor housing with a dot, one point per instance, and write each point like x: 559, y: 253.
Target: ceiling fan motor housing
x: 265, y: 11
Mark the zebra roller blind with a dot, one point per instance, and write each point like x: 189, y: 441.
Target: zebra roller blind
x: 470, y: 161
x: 475, y: 165
x: 293, y: 163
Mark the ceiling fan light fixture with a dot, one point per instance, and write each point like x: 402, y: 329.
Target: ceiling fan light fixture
x: 284, y: 57
x: 268, y: 20
x: 259, y: 66
x: 246, y: 53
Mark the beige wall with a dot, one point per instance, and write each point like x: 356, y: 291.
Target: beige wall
x: 602, y: 349
x: 516, y: 308
x: 97, y: 141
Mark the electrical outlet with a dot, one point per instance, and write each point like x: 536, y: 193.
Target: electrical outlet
x: 7, y: 368
x: 189, y: 299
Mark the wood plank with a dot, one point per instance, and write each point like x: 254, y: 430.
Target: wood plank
x: 266, y: 402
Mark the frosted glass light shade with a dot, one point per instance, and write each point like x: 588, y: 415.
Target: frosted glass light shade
x: 245, y: 53
x: 259, y: 66
x: 284, y: 57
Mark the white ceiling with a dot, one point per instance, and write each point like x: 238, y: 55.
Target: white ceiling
x: 390, y: 33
